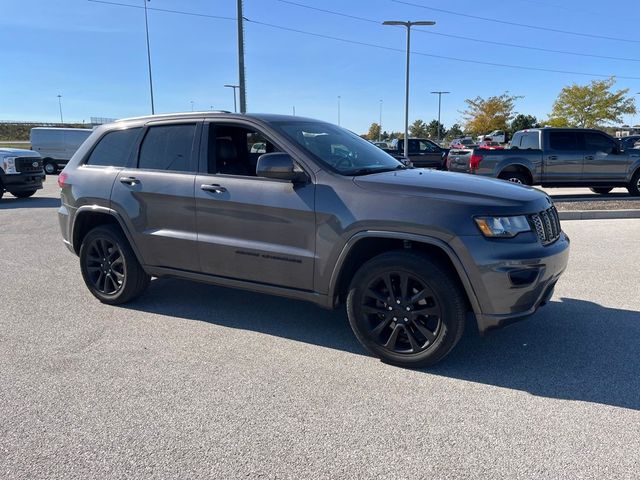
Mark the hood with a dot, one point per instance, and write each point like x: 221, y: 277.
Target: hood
x: 459, y: 188
x: 17, y: 152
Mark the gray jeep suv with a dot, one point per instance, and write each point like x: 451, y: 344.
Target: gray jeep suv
x: 304, y: 209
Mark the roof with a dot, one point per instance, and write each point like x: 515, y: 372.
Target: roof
x: 269, y: 117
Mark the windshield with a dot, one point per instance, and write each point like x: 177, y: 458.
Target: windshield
x: 340, y: 149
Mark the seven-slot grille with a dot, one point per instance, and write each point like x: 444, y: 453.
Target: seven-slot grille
x: 547, y: 225
x: 25, y: 164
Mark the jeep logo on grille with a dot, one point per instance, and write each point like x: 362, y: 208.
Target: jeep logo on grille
x: 34, y: 164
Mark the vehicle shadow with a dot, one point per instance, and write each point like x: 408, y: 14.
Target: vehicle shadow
x: 571, y: 349
x: 8, y: 202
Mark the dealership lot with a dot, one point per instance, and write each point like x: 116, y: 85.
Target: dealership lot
x: 194, y: 381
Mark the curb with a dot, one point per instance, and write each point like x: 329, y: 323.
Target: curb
x: 597, y: 214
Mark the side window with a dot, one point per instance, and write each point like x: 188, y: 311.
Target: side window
x: 530, y: 141
x: 426, y: 147
x: 235, y: 150
x: 563, y: 141
x: 168, y: 147
x: 598, y: 143
x: 114, y: 149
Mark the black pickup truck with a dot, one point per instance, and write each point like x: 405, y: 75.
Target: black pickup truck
x: 423, y: 153
x: 21, y: 172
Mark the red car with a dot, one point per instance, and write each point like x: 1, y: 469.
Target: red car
x: 490, y: 145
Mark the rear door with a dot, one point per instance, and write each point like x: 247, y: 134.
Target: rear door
x: 252, y: 228
x: 602, y: 159
x: 155, y: 195
x: 563, y: 157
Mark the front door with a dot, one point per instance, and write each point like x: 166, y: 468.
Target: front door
x: 155, y: 196
x: 251, y: 228
x: 602, y: 159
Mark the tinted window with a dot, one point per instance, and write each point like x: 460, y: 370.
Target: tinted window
x: 114, y: 149
x: 597, y: 142
x: 168, y: 147
x: 563, y: 141
x: 530, y: 140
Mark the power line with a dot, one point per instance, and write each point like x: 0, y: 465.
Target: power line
x: 383, y: 47
x: 460, y: 37
x: 505, y: 22
x: 178, y: 12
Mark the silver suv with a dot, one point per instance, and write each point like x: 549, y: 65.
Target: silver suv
x: 314, y: 213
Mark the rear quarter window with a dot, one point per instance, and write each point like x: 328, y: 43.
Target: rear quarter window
x: 114, y: 148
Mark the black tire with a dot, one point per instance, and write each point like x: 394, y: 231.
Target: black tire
x: 25, y: 194
x: 50, y: 168
x: 109, y: 267
x: 601, y: 190
x: 391, y: 323
x: 515, y: 177
x: 634, y: 185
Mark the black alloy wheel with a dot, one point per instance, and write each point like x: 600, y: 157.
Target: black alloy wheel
x: 403, y: 315
x: 105, y: 266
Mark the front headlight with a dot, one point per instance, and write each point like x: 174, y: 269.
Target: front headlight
x: 9, y: 165
x: 503, y: 227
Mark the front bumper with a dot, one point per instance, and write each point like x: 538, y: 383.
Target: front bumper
x: 513, y: 278
x: 21, y: 182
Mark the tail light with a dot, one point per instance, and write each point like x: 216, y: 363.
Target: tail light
x: 474, y: 161
x: 62, y: 178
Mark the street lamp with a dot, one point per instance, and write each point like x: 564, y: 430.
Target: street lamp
x: 338, y: 110
x: 380, y: 123
x: 191, y: 105
x: 408, y: 25
x: 146, y: 28
x: 235, y: 107
x: 439, y: 93
x: 60, y: 105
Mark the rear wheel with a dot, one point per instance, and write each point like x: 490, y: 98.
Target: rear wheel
x: 406, y: 309
x: 515, y: 177
x: 109, y: 267
x: 601, y: 190
x: 50, y: 168
x: 25, y: 194
x: 634, y: 185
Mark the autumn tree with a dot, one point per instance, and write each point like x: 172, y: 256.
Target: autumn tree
x: 374, y: 132
x: 493, y: 113
x: 418, y: 129
x: 592, y: 105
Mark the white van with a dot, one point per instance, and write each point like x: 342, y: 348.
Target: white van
x: 57, y: 145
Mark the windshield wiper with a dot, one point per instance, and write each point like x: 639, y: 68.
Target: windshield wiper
x: 370, y: 170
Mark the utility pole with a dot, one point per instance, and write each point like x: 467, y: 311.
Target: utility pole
x: 439, y: 93
x: 60, y: 105
x: 380, y: 123
x: 243, y: 86
x: 146, y: 28
x: 235, y: 105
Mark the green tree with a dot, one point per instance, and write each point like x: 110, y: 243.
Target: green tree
x: 592, y: 105
x: 418, y: 129
x: 374, y: 132
x: 493, y: 113
x: 522, y: 122
x: 432, y: 129
x: 454, y: 132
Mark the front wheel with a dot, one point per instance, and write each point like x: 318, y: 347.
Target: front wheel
x: 601, y: 190
x: 634, y: 185
x: 515, y: 177
x: 24, y: 194
x: 50, y: 168
x: 109, y: 267
x: 406, y: 309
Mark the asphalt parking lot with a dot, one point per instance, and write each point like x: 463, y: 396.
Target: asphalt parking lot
x: 195, y: 381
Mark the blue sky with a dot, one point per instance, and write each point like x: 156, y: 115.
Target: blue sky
x: 95, y: 56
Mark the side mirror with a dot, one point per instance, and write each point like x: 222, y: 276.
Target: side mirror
x: 279, y: 166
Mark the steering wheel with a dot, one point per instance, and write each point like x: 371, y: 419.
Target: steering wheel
x: 343, y: 162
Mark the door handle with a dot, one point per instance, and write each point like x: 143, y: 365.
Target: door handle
x: 589, y: 157
x: 553, y: 157
x: 213, y: 188
x: 129, y: 180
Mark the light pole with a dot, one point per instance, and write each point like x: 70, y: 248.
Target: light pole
x: 408, y: 25
x: 60, y: 105
x: 191, y: 105
x: 338, y: 110
x: 235, y: 106
x: 380, y: 123
x: 294, y: 110
x: 439, y: 93
x: 146, y: 29
x: 241, y: 79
